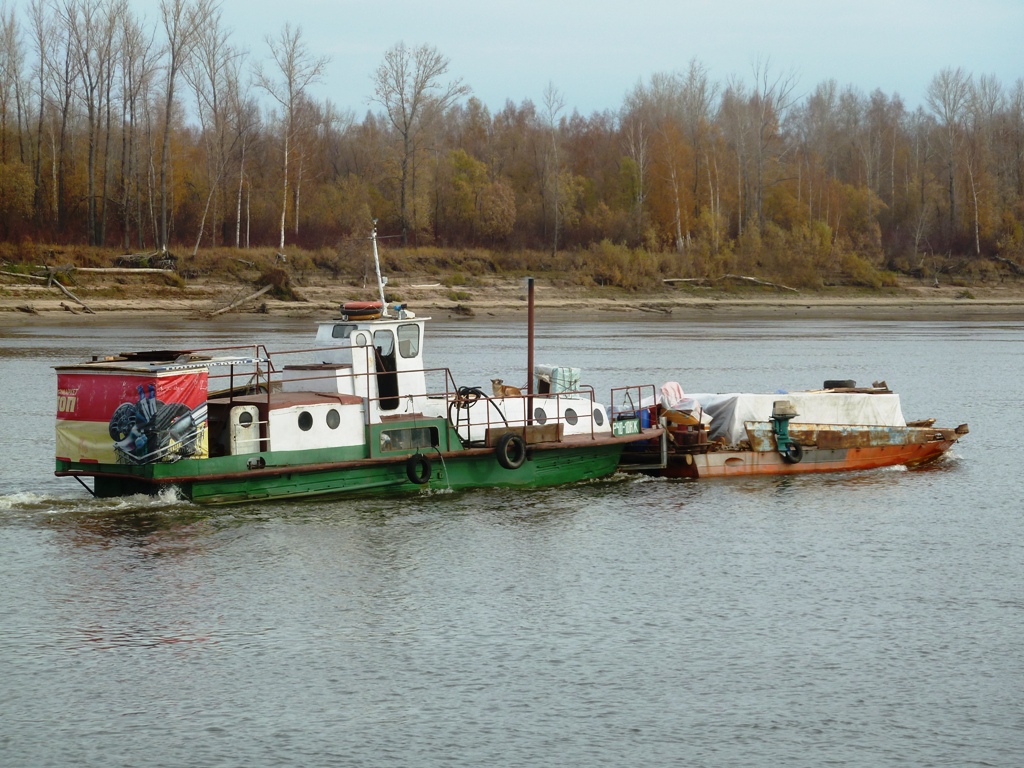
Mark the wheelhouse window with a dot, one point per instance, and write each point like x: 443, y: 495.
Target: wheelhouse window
x: 384, y: 341
x: 341, y: 339
x: 409, y: 340
x: 387, y: 365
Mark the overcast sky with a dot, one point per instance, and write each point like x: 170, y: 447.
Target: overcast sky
x: 595, y: 51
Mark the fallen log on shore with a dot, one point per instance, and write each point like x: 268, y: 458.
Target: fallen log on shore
x: 71, y: 296
x: 50, y: 279
x: 125, y: 270
x: 238, y: 302
x: 747, y: 278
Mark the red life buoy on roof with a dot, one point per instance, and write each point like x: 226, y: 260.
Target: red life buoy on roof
x: 361, y: 310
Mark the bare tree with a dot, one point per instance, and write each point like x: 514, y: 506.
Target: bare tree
x: 408, y: 84
x: 553, y: 103
x: 42, y: 40
x: 697, y: 99
x: 244, y: 119
x: 92, y: 25
x: 209, y: 73
x: 136, y: 73
x: 182, y: 22
x: 920, y: 128
x: 985, y: 103
x: 772, y: 98
x: 735, y: 115
x: 638, y: 150
x: 11, y: 59
x: 1015, y: 138
x: 947, y: 97
x: 64, y: 74
x: 298, y: 69
x: 815, y: 127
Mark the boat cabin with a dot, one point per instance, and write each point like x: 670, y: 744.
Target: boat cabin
x: 378, y: 359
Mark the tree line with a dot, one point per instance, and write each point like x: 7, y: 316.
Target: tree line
x: 172, y: 135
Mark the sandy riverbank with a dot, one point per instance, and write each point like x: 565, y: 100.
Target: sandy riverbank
x: 121, y: 299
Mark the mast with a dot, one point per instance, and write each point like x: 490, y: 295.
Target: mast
x: 381, y: 280
x: 529, y: 336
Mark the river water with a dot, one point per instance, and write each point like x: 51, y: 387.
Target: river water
x: 862, y: 619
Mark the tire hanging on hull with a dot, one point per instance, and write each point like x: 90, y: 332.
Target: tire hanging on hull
x: 511, y: 451
x: 418, y: 469
x: 794, y: 453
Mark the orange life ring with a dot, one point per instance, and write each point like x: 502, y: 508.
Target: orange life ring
x: 361, y: 310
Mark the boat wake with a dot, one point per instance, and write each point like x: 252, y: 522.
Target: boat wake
x: 24, y: 500
x: 947, y: 462
x: 635, y: 478
x: 29, y: 502
x: 436, y: 492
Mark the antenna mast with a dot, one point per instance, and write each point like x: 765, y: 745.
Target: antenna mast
x: 381, y: 280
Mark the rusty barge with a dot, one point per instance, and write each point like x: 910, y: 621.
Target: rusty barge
x: 838, y: 428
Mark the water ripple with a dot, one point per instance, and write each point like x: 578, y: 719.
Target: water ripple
x: 864, y: 619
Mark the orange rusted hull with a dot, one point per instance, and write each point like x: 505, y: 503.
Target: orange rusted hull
x: 826, y: 448
x: 736, y: 463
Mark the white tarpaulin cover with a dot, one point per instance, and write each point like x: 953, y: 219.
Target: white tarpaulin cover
x: 728, y: 412
x: 561, y: 378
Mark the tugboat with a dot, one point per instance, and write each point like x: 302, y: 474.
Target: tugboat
x: 364, y: 416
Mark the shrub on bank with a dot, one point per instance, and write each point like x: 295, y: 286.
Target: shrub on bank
x: 804, y: 257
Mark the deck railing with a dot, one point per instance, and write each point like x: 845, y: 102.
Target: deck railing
x: 257, y: 372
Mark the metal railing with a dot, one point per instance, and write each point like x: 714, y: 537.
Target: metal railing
x: 257, y: 374
x: 500, y: 418
x: 633, y: 401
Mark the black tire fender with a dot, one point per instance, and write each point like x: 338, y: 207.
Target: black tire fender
x: 794, y: 453
x: 418, y: 468
x: 511, y: 450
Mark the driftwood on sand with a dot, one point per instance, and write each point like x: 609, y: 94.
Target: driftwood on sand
x: 238, y: 302
x: 126, y: 270
x: 746, y: 278
x: 70, y: 295
x: 26, y: 277
x: 1014, y: 266
x: 51, y: 279
x: 654, y: 308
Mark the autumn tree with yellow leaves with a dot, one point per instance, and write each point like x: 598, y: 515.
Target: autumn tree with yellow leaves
x: 123, y: 132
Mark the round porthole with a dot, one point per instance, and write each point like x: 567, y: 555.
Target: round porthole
x: 360, y: 339
x: 305, y: 421
x: 598, y: 417
x: 539, y: 416
x: 571, y: 417
x: 245, y: 419
x: 333, y: 418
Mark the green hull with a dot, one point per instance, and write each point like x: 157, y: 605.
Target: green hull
x: 228, y: 480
